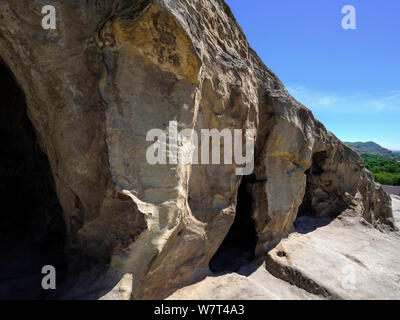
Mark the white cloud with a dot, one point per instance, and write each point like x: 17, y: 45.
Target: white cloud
x: 346, y: 104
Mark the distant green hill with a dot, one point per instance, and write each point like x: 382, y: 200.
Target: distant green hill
x: 368, y: 147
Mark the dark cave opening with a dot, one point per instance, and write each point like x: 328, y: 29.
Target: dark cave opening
x: 307, y: 208
x: 32, y: 227
x: 238, y: 247
x: 320, y: 204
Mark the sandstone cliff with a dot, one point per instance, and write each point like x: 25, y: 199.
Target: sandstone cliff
x: 112, y: 71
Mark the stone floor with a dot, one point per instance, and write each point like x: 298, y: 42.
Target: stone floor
x: 341, y: 259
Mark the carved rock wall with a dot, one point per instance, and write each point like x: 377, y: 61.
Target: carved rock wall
x: 112, y: 71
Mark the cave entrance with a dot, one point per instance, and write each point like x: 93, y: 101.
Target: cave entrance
x: 32, y: 228
x: 314, y: 191
x: 238, y: 247
x: 320, y: 205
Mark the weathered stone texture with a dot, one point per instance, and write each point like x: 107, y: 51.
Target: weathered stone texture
x: 114, y: 70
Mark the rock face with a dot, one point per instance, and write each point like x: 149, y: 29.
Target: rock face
x: 112, y: 71
x: 365, y: 269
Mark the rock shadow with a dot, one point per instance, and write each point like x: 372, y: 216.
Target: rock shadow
x: 238, y: 248
x: 32, y: 227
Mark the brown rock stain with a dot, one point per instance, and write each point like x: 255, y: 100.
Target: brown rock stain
x: 157, y: 36
x: 355, y: 260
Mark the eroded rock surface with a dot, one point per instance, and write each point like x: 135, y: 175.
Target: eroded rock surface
x: 341, y: 259
x: 111, y: 71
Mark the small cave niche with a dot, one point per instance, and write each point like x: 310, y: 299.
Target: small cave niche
x: 32, y: 227
x: 316, y: 169
x: 320, y: 204
x: 238, y: 247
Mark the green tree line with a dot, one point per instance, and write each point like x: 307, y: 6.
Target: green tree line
x: 385, y: 170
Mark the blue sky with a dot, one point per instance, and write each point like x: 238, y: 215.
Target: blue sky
x: 350, y: 79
